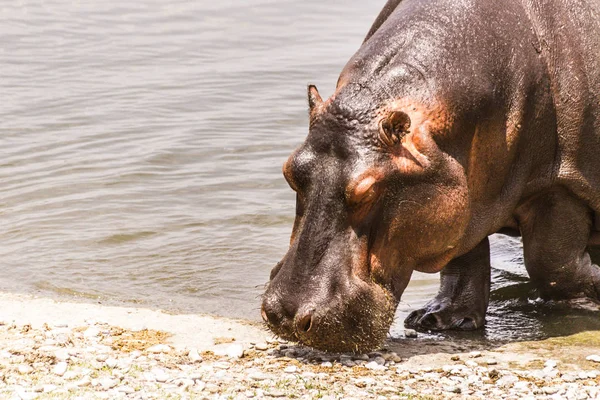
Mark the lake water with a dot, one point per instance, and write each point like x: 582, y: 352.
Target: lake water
x: 141, y: 145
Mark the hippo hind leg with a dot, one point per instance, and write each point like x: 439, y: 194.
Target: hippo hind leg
x: 463, y: 297
x: 556, y: 228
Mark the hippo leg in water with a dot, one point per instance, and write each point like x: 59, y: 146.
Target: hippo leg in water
x: 463, y: 297
x: 555, y: 230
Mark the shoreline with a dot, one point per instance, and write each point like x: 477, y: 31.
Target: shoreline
x: 53, y: 349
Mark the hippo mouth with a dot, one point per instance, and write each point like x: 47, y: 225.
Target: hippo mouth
x: 355, y: 323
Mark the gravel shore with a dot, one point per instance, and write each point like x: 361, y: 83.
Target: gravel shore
x: 75, y: 358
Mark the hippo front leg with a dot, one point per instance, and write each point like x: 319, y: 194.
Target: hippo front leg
x: 463, y: 296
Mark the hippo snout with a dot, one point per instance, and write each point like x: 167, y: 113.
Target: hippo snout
x: 355, y: 319
x: 291, y: 323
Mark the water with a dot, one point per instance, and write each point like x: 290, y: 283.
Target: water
x: 141, y: 144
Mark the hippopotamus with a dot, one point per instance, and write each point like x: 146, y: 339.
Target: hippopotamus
x: 454, y: 120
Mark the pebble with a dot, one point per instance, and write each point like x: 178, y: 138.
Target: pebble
x: 111, y: 362
x: 375, y: 366
x: 126, y: 389
x: 327, y: 364
x: 25, y: 369
x: 91, y: 332
x: 257, y: 376
x: 60, y: 368
x: 49, y: 388
x: 594, y: 358
x: 85, y: 381
x: 159, y: 374
x: 551, y: 389
x: 275, y: 393
x: 159, y: 348
x: 235, y: 351
x: 291, y: 369
x: 453, y: 389
x: 475, y: 354
x: 194, y: 356
x: 410, y: 333
x: 261, y: 346
x: 108, y: 383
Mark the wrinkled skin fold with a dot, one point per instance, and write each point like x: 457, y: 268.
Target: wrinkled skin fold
x: 453, y: 121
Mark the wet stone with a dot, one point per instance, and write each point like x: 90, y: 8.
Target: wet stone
x: 410, y: 333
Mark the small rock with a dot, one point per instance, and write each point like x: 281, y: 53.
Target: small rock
x: 257, y: 376
x: 374, y: 366
x: 475, y: 354
x: 111, y: 362
x: 291, y: 369
x: 24, y: 395
x: 491, y: 361
x: 379, y: 360
x: 522, y: 386
x: 212, y: 388
x: 453, y: 389
x: 70, y: 375
x: 159, y: 374
x: 102, y: 357
x: 184, y: 382
x: 594, y: 358
x: 159, y: 348
x: 471, y: 364
x: 85, y: 381
x: 347, y: 362
x: 222, y: 365
x: 126, y: 389
x: 410, y: 333
x: 60, y: 368
x: 194, y: 356
x: 290, y: 354
x: 261, y: 346
x: 327, y: 364
x: 235, y: 351
x: 49, y: 388
x: 25, y: 369
x: 455, y: 358
x: 108, y: 383
x: 507, y: 381
x: 550, y: 364
x: 91, y: 332
x: 550, y: 389
x: 62, y: 355
x: 275, y: 393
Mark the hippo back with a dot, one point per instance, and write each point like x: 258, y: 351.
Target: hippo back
x: 568, y: 33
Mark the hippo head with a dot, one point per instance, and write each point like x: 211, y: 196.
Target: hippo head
x: 376, y: 198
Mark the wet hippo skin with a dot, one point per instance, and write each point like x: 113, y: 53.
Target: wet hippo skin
x: 455, y: 119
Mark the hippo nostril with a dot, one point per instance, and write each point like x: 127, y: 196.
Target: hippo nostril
x: 304, y: 323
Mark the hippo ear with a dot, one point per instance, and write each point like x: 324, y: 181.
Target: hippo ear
x: 419, y: 152
x: 393, y: 127
x: 314, y: 99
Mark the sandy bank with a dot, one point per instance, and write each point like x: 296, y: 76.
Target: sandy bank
x: 60, y: 350
x: 191, y: 331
